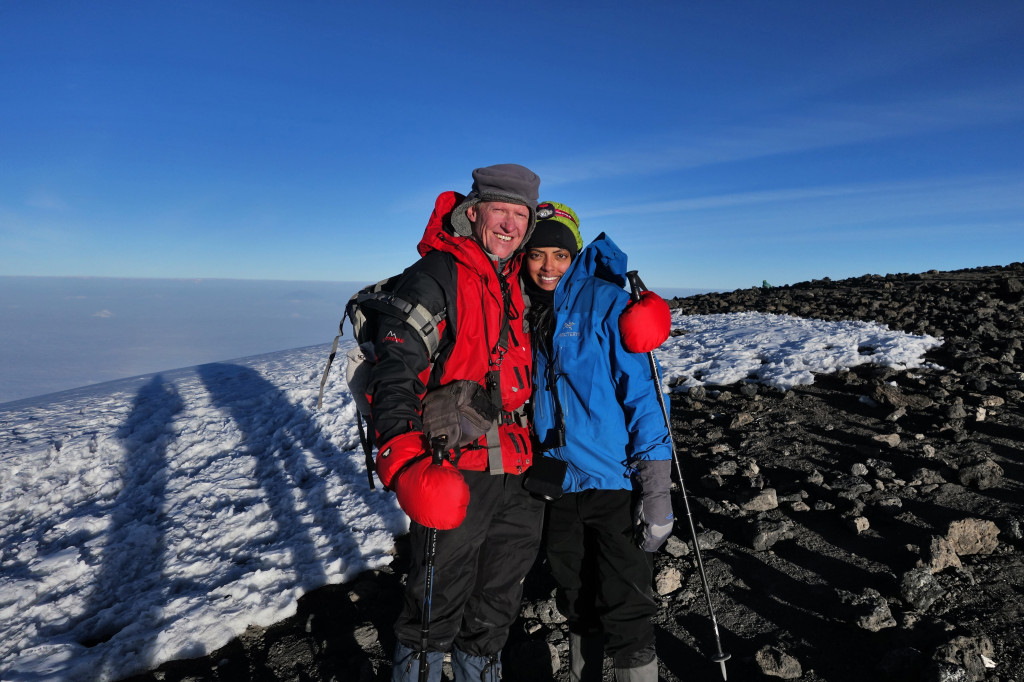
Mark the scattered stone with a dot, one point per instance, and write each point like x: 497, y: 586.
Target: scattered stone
x: 675, y: 547
x: 668, y: 580
x: 896, y: 414
x: 893, y: 396
x: 882, y: 469
x: 956, y: 410
x: 981, y: 474
x: 365, y: 636
x: 748, y: 467
x: 890, y: 439
x: 727, y: 467
x: 556, y: 662
x: 889, y: 505
x: 775, y: 662
x: 920, y: 589
x: 924, y: 476
x: 851, y: 486
x: 741, y: 420
x: 1012, y: 527
x: 868, y: 610
x: 767, y: 532
x: 941, y: 555
x: 761, y: 500
x: 548, y: 613
x: 972, y: 536
x: 858, y: 524
x: 712, y: 481
x: 709, y: 539
x: 956, y: 417
x: 967, y: 653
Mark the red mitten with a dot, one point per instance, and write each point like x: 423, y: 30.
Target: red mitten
x: 645, y: 324
x: 398, y: 452
x: 433, y: 495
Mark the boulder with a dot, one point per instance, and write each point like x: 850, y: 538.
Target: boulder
x: 972, y: 536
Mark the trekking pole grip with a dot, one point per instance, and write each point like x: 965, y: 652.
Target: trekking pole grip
x: 439, y: 446
x: 636, y: 285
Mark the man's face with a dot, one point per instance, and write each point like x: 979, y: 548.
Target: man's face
x: 499, y: 227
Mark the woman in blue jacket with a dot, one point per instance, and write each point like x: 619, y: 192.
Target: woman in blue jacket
x: 595, y: 408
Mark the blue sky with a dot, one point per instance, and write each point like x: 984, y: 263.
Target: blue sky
x: 719, y: 143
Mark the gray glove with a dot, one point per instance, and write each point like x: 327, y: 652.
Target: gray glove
x: 652, y: 516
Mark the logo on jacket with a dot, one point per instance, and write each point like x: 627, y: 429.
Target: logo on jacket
x: 569, y: 329
x: 392, y: 336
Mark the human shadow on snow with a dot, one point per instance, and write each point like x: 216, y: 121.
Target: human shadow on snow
x: 279, y: 434
x: 136, y: 539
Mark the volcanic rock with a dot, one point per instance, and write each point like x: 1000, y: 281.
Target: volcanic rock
x: 775, y: 662
x: 927, y: 590
x: 972, y: 536
x: 919, y: 589
x: 868, y: 610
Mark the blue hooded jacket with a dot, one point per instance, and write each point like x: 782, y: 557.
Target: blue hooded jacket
x: 605, y: 394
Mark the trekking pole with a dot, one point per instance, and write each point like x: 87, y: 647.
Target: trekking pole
x: 439, y: 445
x: 636, y: 286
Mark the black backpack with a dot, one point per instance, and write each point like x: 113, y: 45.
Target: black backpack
x: 361, y: 310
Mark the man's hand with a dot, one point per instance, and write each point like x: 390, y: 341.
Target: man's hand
x: 398, y: 453
x: 433, y: 495
x: 652, y: 516
x: 645, y: 324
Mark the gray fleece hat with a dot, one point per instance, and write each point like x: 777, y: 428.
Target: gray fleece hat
x: 507, y: 182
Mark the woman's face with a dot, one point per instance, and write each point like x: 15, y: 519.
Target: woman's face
x: 545, y: 265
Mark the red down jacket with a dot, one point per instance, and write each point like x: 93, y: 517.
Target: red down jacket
x: 456, y: 274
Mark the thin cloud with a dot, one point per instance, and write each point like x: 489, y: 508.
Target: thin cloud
x: 989, y: 193
x: 827, y: 127
x: 46, y: 200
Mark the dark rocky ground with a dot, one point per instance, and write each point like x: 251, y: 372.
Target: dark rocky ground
x: 865, y: 527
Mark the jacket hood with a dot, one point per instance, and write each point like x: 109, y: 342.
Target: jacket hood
x: 602, y: 259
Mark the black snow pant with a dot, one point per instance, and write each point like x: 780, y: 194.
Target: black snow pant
x: 604, y: 580
x: 479, y: 569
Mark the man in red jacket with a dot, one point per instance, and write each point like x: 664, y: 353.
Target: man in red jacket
x: 490, y: 525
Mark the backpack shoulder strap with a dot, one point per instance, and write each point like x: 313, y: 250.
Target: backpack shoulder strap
x: 415, y: 315
x: 379, y: 297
